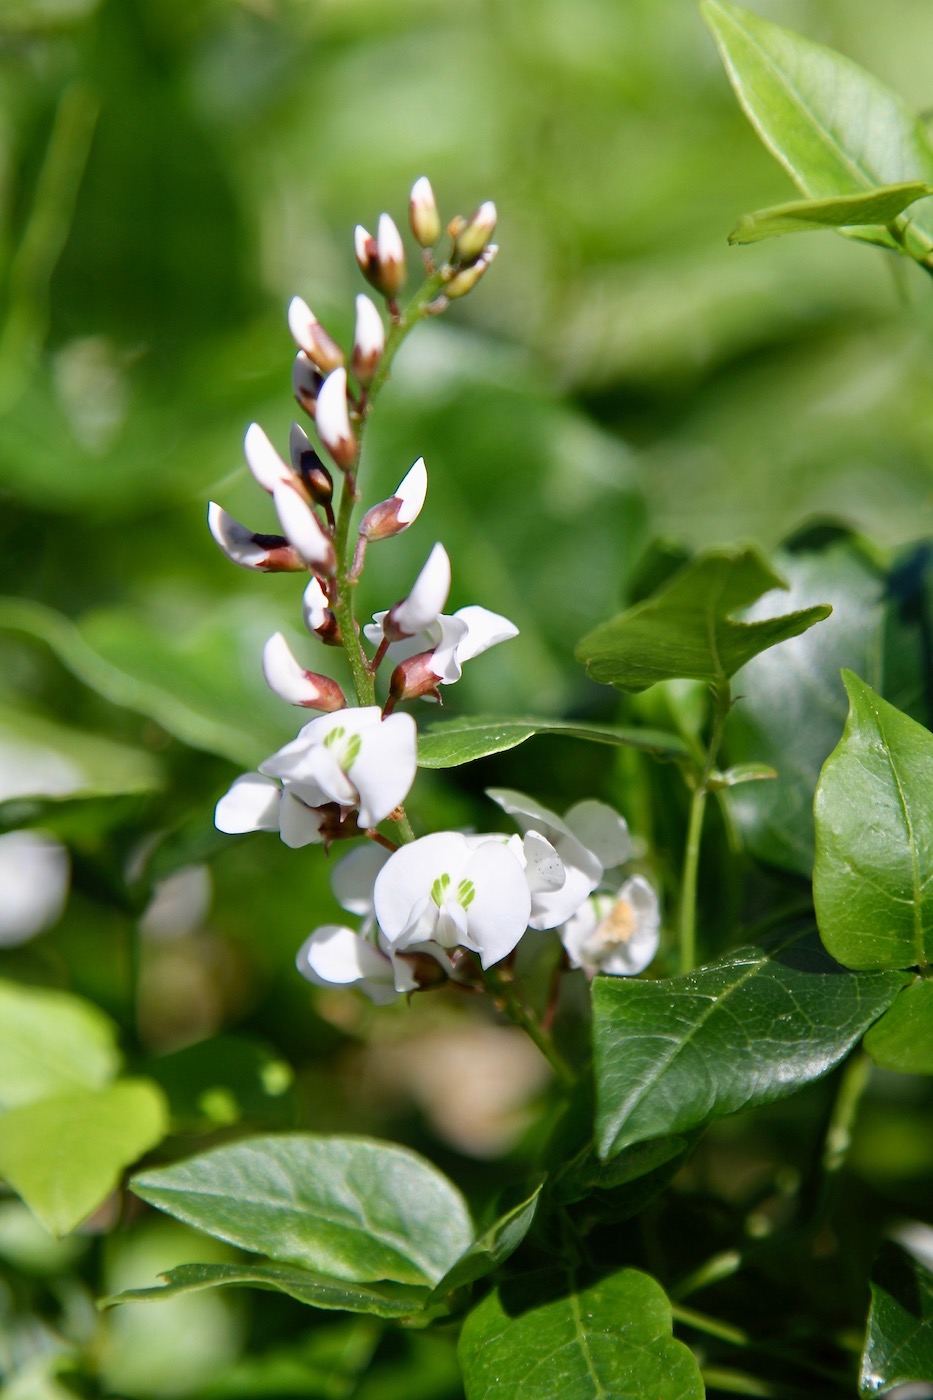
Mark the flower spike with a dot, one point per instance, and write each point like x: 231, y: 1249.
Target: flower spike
x: 287, y: 679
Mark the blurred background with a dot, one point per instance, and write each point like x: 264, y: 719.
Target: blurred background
x: 171, y: 173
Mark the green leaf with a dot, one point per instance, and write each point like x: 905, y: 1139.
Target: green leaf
x: 448, y: 744
x: 899, y: 1338
x: 548, y: 1334
x: 748, y: 1029
x: 50, y: 1043
x: 688, y: 628
x: 791, y: 708
x: 318, y: 1291
x: 879, y: 207
x: 834, y: 127
x: 349, y: 1207
x: 491, y: 1248
x: 39, y: 758
x: 903, y: 1038
x: 66, y: 1154
x: 873, y: 874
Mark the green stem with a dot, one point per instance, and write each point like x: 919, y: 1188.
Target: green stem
x: 701, y: 1322
x: 691, y: 866
x: 500, y: 983
x: 711, y: 1271
x: 740, y: 1383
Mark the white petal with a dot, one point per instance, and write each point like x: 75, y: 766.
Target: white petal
x: 625, y: 935
x: 369, y: 336
x: 301, y: 323
x: 361, y: 238
x: 337, y: 956
x: 385, y: 767
x: 411, y: 491
x: 262, y: 459
x: 332, y: 417
x: 355, y: 875
x: 499, y: 910
x: 408, y: 875
x: 373, y: 630
x: 428, y: 595
x: 581, y: 926
x: 485, y: 629
x: 544, y: 869
x: 601, y: 830
x: 302, y: 528
x: 34, y: 870
x: 389, y: 241
x: 251, y: 804
x: 284, y: 676
x: 445, y: 660
x: 300, y: 824
x: 235, y: 540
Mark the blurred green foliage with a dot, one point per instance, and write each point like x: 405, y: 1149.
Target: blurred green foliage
x: 171, y: 172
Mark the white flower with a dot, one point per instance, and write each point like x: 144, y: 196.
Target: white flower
x: 454, y: 890
x: 589, y: 839
x: 289, y: 680
x: 34, y: 871
x: 423, y: 604
x: 615, y: 933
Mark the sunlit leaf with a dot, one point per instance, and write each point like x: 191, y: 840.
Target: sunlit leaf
x: 878, y: 207
x: 688, y: 628
x: 350, y: 1208
x: 52, y: 1042
x: 899, y: 1339
x: 551, y: 1334
x: 447, y: 744
x: 748, y: 1029
x: 873, y: 874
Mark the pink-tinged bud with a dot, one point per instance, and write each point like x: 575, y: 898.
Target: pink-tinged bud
x: 369, y: 341
x: 367, y: 255
x: 310, y: 468
x: 263, y: 461
x: 333, y: 420
x: 415, y: 679
x: 292, y: 683
x: 391, y: 253
x: 311, y: 337
x: 306, y: 383
x: 465, y: 280
x: 318, y: 618
x: 303, y: 529
x: 269, y: 554
x: 472, y: 238
x: 393, y: 516
x: 422, y: 213
x: 425, y: 601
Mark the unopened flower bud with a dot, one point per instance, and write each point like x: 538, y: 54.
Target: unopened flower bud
x: 391, y: 252
x: 309, y: 466
x: 318, y: 618
x: 306, y: 383
x: 368, y: 341
x: 422, y: 213
x: 393, y: 516
x: 287, y: 679
x: 415, y: 679
x: 465, y: 280
x: 268, y: 554
x: 303, y: 529
x: 425, y: 601
x: 474, y: 235
x: 333, y: 420
x: 264, y: 462
x: 311, y: 337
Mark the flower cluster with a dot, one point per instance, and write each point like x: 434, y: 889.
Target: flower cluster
x: 449, y: 903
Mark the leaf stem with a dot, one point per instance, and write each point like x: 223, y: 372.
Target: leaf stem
x: 501, y: 984
x: 702, y: 1322
x: 688, y: 886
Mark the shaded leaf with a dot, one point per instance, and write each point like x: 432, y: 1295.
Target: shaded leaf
x: 878, y: 207
x: 903, y: 1038
x: 221, y: 1081
x: 39, y: 758
x: 899, y: 1338
x: 687, y: 629
x: 348, y: 1207
x: 491, y: 1248
x: 873, y: 874
x: 748, y: 1029
x: 834, y: 127
x: 447, y: 745
x: 65, y: 1155
x: 318, y: 1291
x: 52, y: 1042
x: 551, y: 1334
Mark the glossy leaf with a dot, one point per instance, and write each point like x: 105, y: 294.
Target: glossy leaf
x: 448, y: 744
x: 550, y: 1334
x: 790, y: 707
x: 899, y: 1338
x: 65, y: 1155
x: 834, y: 127
x: 903, y: 1038
x: 748, y: 1029
x: 318, y: 1291
x: 492, y: 1248
x: 873, y: 874
x: 688, y: 628
x: 349, y: 1207
x: 50, y: 1043
x: 879, y: 207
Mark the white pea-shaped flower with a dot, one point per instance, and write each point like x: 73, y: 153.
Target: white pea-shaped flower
x: 615, y: 933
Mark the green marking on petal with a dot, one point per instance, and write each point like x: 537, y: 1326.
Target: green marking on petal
x: 439, y: 889
x: 466, y: 891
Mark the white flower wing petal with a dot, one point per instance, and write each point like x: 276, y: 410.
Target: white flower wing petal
x: 485, y: 629
x: 601, y: 830
x: 385, y: 767
x: 501, y: 904
x: 300, y: 824
x: 354, y: 876
x: 337, y: 956
x: 251, y: 804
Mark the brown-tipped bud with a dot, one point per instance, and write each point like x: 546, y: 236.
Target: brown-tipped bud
x: 415, y: 679
x: 422, y: 213
x: 269, y: 554
x: 393, y: 516
x: 288, y: 679
x: 472, y: 236
x: 465, y: 280
x: 311, y: 337
x: 308, y: 465
x: 306, y: 383
x: 333, y: 421
x: 381, y: 259
x: 318, y: 618
x: 369, y: 341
